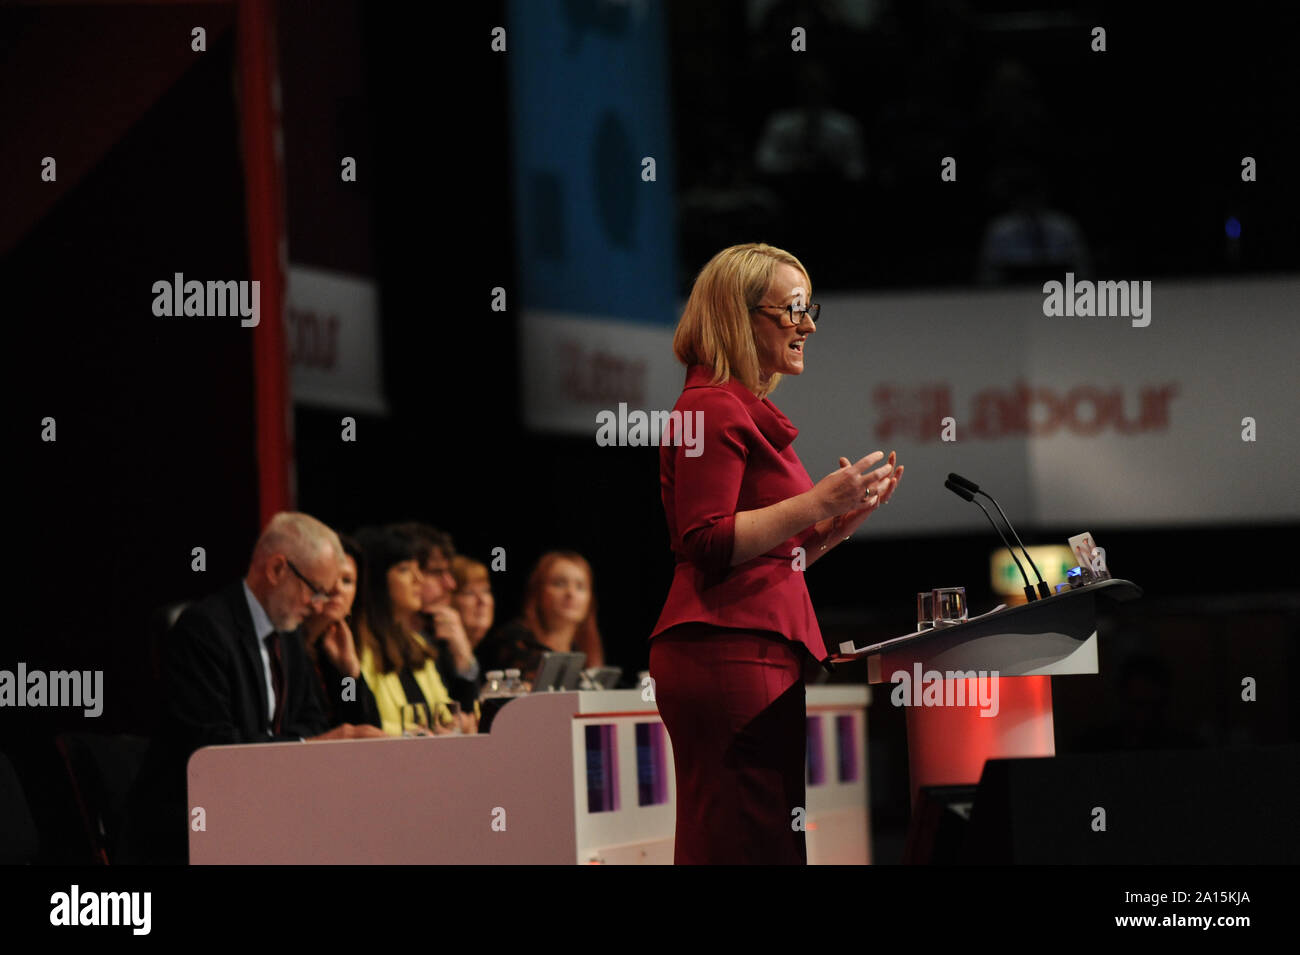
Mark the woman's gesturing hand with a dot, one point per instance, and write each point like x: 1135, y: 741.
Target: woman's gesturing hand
x: 852, y: 485
x: 839, y: 500
x: 850, y: 521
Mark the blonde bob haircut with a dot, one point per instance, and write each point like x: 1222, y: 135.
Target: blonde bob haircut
x: 715, y: 327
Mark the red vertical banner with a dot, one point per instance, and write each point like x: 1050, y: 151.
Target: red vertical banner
x: 263, y: 148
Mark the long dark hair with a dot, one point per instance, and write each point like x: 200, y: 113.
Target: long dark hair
x: 393, y: 646
x: 427, y: 540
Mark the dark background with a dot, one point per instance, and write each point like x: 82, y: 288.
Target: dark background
x: 155, y: 442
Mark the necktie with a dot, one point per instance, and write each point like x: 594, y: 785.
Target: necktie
x: 277, y: 678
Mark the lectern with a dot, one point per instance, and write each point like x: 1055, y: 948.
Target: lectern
x: 984, y: 686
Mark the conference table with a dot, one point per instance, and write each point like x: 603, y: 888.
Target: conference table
x: 583, y: 777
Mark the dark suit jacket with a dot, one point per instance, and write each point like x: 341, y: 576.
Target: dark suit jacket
x: 745, y: 461
x: 214, y: 684
x: 213, y: 694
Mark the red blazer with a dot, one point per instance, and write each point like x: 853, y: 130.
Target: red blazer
x: 742, y: 459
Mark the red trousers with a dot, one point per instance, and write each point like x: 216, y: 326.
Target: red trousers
x: 732, y: 702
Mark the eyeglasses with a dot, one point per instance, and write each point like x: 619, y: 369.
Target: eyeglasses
x: 318, y: 595
x: 812, y: 311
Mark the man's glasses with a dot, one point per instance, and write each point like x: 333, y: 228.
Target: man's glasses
x: 318, y: 595
x: 796, y: 313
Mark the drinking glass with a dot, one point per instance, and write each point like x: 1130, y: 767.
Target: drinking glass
x: 447, y: 719
x: 924, y: 610
x: 949, y: 605
x: 415, y: 719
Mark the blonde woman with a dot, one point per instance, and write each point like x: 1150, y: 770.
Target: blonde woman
x: 473, y: 597
x: 745, y: 519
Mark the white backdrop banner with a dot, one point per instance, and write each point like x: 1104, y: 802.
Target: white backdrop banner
x: 332, y: 335
x: 1071, y: 419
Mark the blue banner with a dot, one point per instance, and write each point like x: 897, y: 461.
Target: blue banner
x: 589, y: 102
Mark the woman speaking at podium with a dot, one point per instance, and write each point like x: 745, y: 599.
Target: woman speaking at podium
x: 745, y: 519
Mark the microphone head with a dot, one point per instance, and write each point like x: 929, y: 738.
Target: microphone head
x: 962, y: 482
x: 962, y: 492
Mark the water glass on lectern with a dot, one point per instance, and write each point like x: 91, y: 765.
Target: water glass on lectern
x: 949, y: 606
x: 924, y: 610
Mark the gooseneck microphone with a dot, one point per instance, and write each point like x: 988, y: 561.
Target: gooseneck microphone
x: 1043, y: 589
x: 966, y: 494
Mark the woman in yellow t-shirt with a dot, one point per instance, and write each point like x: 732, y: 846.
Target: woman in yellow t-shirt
x: 397, y: 663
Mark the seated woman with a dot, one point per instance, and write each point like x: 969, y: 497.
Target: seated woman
x: 473, y: 597
x: 559, y: 615
x: 396, y: 661
x: 439, y: 622
x: 331, y: 647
